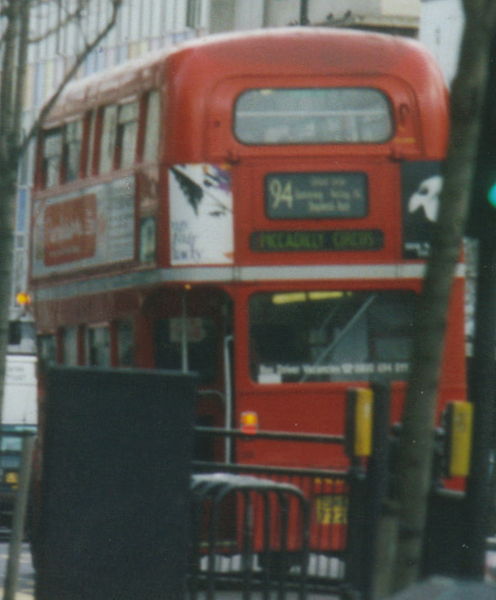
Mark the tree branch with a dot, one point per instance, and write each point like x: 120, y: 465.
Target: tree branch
x: 70, y: 16
x: 78, y: 61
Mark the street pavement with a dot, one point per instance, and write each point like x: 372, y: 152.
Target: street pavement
x: 25, y: 584
x: 25, y: 588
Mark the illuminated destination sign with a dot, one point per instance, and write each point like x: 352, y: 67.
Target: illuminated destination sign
x: 316, y: 195
x: 311, y: 241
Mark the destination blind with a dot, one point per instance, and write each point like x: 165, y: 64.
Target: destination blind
x: 308, y: 241
x: 316, y: 195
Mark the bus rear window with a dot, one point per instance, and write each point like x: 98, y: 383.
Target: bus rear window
x: 334, y: 335
x: 312, y: 116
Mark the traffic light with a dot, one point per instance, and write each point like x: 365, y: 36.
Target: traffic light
x: 491, y: 195
x: 482, y: 212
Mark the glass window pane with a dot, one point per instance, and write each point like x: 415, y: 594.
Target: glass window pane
x: 125, y: 343
x: 201, y: 337
x: 70, y: 337
x: 99, y: 347
x: 47, y: 351
x: 127, y: 134
x: 312, y: 116
x: 152, y: 133
x: 52, y: 156
x: 108, y: 140
x: 72, y: 150
x: 333, y: 335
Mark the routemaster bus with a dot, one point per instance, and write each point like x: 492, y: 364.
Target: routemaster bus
x: 254, y: 207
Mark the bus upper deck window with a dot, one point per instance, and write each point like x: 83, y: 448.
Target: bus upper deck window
x: 52, y: 156
x: 72, y: 150
x: 119, y: 134
x: 107, y: 142
x: 91, y: 124
x: 127, y: 133
x: 152, y: 131
x: 312, y: 116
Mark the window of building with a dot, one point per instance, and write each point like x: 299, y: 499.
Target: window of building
x: 193, y: 13
x: 127, y: 134
x: 336, y: 335
x: 98, y: 346
x: 72, y: 150
x: 153, y: 129
x: 312, y: 116
x: 52, y: 156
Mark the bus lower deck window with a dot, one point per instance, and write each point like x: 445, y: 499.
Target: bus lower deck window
x: 335, y: 335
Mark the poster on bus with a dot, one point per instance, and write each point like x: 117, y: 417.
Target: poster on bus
x: 85, y: 228
x: 421, y: 183
x: 201, y: 214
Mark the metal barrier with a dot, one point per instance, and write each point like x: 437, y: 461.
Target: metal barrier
x: 265, y: 529
x: 235, y: 560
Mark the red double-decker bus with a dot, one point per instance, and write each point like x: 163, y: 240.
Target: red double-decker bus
x: 254, y: 207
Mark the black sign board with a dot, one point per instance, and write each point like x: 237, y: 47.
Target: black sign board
x: 311, y: 241
x: 115, y: 491
x: 316, y: 195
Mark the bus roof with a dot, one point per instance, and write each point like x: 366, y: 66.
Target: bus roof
x: 292, y: 50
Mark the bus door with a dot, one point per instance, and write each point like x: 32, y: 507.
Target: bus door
x: 191, y: 331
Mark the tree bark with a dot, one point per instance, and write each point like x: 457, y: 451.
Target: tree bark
x: 11, y: 86
x: 414, y: 466
x: 14, y: 44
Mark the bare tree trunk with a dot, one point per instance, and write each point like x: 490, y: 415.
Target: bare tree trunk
x: 11, y: 83
x: 14, y: 47
x: 413, y: 474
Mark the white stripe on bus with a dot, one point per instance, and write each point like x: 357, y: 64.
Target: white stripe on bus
x: 233, y: 274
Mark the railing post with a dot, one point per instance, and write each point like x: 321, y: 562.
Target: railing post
x: 368, y: 489
x: 378, y: 481
x: 19, y: 518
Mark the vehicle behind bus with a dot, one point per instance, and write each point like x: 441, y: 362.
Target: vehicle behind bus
x: 20, y: 409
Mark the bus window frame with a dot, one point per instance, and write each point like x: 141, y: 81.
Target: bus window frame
x: 44, y: 158
x: 92, y: 327
x: 46, y: 360
x: 77, y: 342
x: 90, y: 139
x: 79, y: 120
x: 115, y: 339
x: 122, y: 128
x: 406, y: 140
x: 392, y: 120
x: 107, y: 138
x: 144, y: 154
